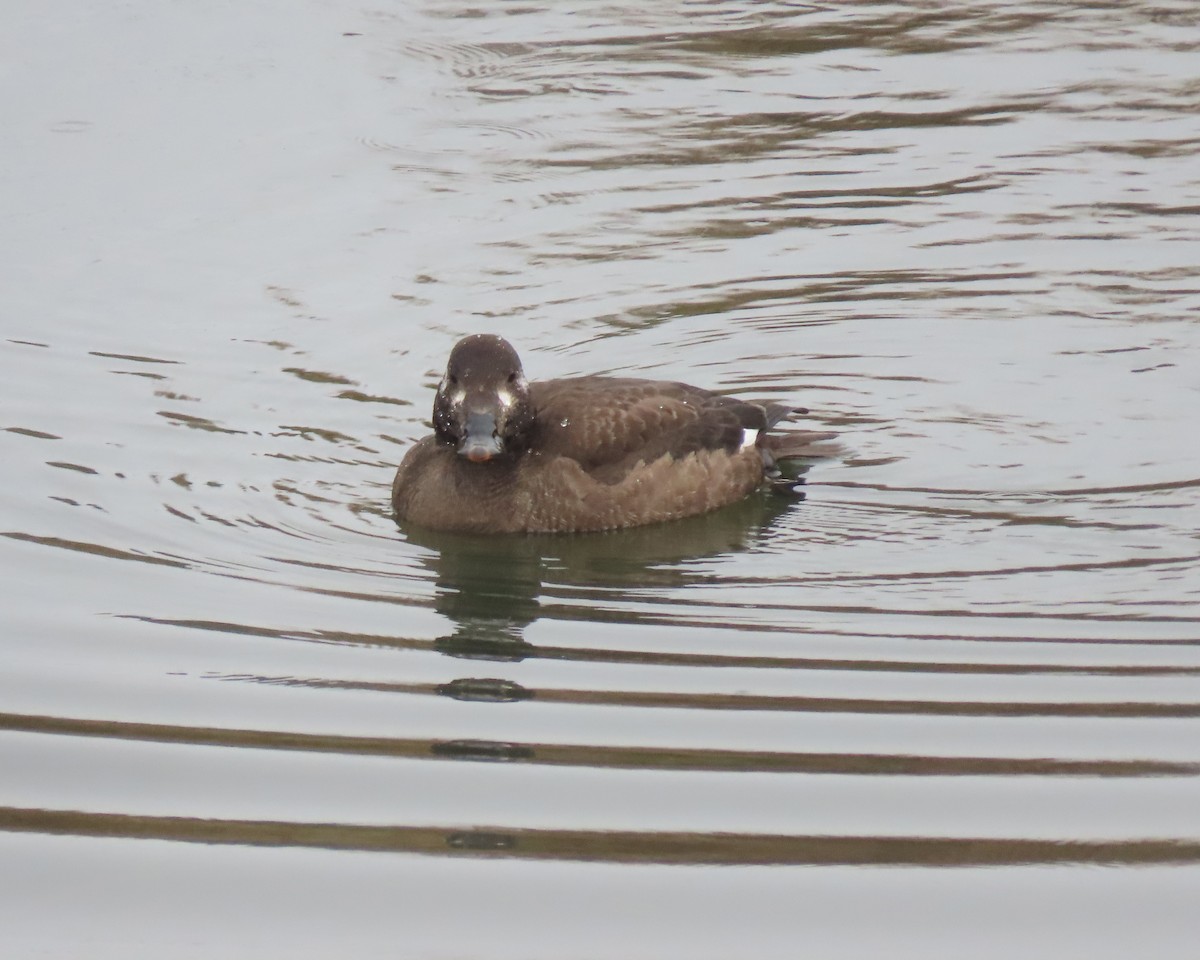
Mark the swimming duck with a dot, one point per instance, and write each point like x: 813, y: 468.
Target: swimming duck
x: 581, y: 453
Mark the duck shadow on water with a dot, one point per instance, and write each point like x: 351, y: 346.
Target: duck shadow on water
x: 493, y: 587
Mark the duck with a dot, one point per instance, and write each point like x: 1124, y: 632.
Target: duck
x: 582, y: 454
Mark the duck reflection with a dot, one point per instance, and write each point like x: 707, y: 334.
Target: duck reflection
x: 493, y: 587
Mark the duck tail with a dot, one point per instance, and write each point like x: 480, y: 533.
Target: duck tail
x: 792, y: 445
x: 803, y: 445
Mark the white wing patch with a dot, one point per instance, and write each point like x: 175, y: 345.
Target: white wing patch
x: 749, y: 438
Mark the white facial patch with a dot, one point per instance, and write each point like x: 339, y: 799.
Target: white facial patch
x: 456, y: 397
x: 505, y: 395
x: 749, y: 438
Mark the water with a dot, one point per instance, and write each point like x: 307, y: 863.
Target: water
x: 947, y: 706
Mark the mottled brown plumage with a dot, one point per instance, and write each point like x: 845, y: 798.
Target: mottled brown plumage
x: 585, y: 453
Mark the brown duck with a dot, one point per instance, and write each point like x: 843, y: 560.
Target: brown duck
x: 582, y: 453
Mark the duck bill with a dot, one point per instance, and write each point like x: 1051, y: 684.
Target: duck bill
x: 481, y: 440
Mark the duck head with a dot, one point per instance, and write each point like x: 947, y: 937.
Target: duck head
x: 482, y: 407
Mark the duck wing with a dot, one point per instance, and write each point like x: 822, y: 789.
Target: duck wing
x: 610, y: 423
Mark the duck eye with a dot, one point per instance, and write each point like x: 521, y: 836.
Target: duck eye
x: 512, y: 377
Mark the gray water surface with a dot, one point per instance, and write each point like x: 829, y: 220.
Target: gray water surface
x: 948, y: 706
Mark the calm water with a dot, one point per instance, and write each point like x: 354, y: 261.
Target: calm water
x: 949, y: 706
